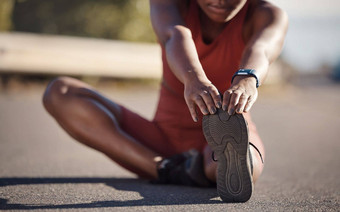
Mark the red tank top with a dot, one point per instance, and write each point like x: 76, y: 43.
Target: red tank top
x: 220, y: 60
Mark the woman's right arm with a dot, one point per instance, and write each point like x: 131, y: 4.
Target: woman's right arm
x: 182, y: 56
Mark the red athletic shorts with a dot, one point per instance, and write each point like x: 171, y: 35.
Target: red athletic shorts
x: 172, y: 130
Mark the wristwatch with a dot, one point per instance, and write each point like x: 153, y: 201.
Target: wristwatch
x: 246, y: 72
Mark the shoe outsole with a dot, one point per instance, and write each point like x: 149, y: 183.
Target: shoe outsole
x: 228, y: 138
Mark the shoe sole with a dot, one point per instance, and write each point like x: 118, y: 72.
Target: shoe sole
x: 228, y: 138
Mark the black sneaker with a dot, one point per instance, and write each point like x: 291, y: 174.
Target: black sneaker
x: 183, y: 169
x: 228, y: 138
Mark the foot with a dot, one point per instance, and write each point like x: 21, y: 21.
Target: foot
x: 228, y: 138
x: 183, y: 169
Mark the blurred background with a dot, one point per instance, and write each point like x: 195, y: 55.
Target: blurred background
x: 312, y: 45
x: 110, y: 45
x: 110, y: 19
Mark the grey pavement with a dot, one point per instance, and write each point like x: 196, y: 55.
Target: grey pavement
x: 42, y: 168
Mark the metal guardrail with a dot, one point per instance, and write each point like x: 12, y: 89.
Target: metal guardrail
x: 64, y: 55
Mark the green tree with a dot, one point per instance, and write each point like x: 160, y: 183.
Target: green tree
x: 6, y: 7
x: 112, y: 19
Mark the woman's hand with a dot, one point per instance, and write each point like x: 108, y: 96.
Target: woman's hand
x: 241, y: 95
x: 203, y: 94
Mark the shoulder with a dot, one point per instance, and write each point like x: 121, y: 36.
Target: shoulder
x: 262, y: 14
x: 267, y: 12
x: 167, y: 5
x: 165, y: 15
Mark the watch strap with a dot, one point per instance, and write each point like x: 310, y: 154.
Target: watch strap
x: 246, y: 72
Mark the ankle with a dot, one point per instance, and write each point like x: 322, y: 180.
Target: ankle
x: 184, y: 169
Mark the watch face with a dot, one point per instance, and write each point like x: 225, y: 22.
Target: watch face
x: 242, y: 73
x: 246, y: 71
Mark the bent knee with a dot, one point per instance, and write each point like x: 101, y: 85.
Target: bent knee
x: 55, y: 93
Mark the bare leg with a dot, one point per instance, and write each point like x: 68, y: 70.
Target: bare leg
x: 94, y: 121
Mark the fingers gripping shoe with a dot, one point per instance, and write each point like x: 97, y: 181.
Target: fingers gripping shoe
x: 228, y: 138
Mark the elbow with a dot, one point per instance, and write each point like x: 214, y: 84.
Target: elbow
x: 175, y: 32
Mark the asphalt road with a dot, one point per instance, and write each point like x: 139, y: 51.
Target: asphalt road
x: 42, y: 168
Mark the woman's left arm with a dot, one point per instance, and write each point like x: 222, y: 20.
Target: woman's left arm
x: 268, y: 26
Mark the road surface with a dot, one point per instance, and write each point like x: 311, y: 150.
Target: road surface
x: 41, y: 167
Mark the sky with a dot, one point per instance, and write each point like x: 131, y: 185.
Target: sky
x: 313, y: 37
x: 310, y: 8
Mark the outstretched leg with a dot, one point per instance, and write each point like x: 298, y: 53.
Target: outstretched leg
x: 95, y: 121
x: 210, y: 166
x: 239, y: 161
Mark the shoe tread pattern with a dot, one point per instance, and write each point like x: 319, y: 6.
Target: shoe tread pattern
x: 228, y: 138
